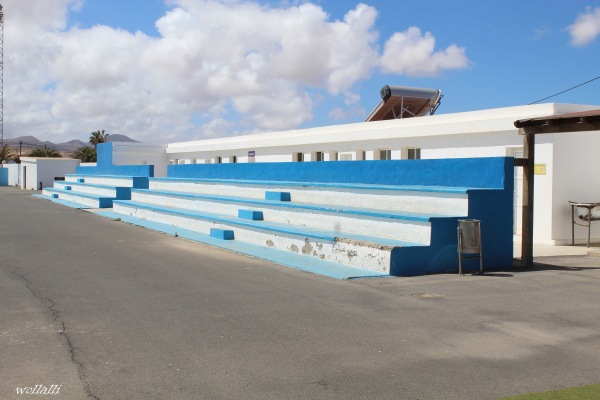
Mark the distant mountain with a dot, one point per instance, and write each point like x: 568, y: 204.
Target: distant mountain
x: 120, y: 138
x: 27, y: 142
x: 30, y: 142
x: 71, y: 145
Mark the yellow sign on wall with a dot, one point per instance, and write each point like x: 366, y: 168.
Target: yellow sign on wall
x: 539, y: 169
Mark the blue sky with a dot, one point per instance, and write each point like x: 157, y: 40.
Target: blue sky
x: 178, y: 70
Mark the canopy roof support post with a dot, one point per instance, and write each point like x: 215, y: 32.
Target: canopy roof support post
x: 528, y: 186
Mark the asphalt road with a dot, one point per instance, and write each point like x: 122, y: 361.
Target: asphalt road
x: 112, y: 311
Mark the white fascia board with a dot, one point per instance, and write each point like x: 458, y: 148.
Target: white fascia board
x: 484, y: 121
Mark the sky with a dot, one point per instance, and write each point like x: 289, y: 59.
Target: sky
x: 163, y: 71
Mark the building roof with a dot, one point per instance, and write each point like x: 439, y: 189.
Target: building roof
x: 472, y: 122
x: 567, y: 122
x: 571, y: 117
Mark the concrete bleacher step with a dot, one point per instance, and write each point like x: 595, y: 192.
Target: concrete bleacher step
x: 282, y: 257
x: 139, y: 182
x: 94, y: 191
x: 87, y: 199
x: 355, y: 250
x: 117, y: 192
x: 411, y: 227
x: 449, y: 201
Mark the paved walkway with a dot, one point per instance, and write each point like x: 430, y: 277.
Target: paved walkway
x: 113, y: 311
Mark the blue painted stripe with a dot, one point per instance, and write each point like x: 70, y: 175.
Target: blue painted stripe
x: 358, y: 186
x: 363, y: 212
x: 285, y: 258
x: 304, y: 231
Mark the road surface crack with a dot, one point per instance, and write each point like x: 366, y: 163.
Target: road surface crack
x: 63, y: 331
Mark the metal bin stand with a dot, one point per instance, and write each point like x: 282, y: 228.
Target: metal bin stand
x: 469, y: 242
x: 582, y: 219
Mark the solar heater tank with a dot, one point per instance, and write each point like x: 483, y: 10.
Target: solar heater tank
x: 409, y: 92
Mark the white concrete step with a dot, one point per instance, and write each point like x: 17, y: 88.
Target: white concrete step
x: 347, y: 249
x: 415, y: 228
x: 122, y: 193
x: 414, y: 199
x: 140, y: 182
x: 91, y: 200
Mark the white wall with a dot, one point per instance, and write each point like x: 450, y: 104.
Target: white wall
x: 28, y: 173
x: 45, y: 170
x: 125, y: 153
x: 13, y: 174
x: 576, y: 172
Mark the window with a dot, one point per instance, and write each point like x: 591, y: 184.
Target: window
x: 385, y: 154
x: 233, y: 159
x: 299, y: 157
x: 218, y: 160
x: 319, y: 156
x: 413, y: 153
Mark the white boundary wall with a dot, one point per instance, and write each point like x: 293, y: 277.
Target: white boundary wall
x: 568, y: 158
x: 36, y: 171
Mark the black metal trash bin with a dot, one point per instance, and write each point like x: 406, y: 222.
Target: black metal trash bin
x: 469, y: 242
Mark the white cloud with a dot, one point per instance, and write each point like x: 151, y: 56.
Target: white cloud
x: 586, y: 27
x: 266, y: 64
x: 413, y: 54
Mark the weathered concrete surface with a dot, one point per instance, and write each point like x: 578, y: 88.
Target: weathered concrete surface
x: 126, y: 313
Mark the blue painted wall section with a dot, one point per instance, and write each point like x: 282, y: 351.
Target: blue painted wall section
x: 3, y: 176
x: 493, y: 207
x: 489, y: 183
x: 105, y: 165
x: 461, y: 172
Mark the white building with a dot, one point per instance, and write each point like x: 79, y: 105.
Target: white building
x: 37, y: 173
x: 566, y: 163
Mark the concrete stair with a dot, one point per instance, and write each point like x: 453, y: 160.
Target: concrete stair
x: 94, y: 191
x: 383, y: 228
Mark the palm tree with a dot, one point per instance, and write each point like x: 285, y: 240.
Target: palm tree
x: 44, y: 152
x: 98, y: 137
x: 86, y: 154
x: 6, y: 153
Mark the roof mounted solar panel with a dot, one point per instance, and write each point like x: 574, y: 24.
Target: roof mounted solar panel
x: 405, y: 102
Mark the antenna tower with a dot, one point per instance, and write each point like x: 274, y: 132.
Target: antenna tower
x: 1, y: 75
